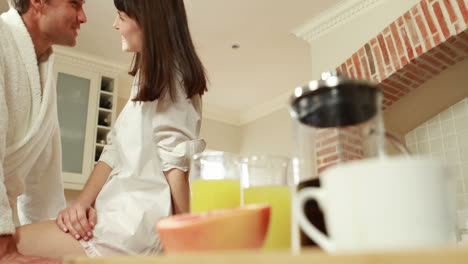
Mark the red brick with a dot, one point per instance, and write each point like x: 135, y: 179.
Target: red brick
x: 463, y: 10
x: 396, y: 85
x: 380, y: 64
x: 351, y: 157
x: 325, y: 132
x: 458, y: 44
x: 350, y: 66
x: 329, y: 141
x: 389, y: 89
x: 432, y: 62
x: 443, y: 58
x: 450, y: 10
x: 321, y: 169
x: 464, y: 36
x: 370, y: 58
x: 352, y: 149
x: 447, y: 50
x: 428, y: 17
x: 331, y: 158
x: 441, y: 19
x: 412, y: 29
x: 392, y: 51
x: 437, y: 39
x: 365, y: 67
x: 413, y: 77
x: 427, y: 67
x: 390, y: 97
x: 383, y: 49
x: 404, y: 61
x: 399, y: 78
x: 344, y: 69
x: 357, y: 65
x: 425, y: 35
x: 415, y: 10
x: 398, y: 43
x: 355, y: 141
x: 418, y: 71
x: 419, y: 50
x: 326, y: 151
x: 409, y: 47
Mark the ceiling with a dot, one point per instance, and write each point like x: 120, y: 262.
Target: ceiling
x: 270, y: 62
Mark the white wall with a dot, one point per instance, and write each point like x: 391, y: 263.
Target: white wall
x: 269, y: 135
x: 221, y: 136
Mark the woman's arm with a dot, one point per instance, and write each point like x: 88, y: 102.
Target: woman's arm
x: 80, y: 218
x: 180, y: 192
x: 94, y: 184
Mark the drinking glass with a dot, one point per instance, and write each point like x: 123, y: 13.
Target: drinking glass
x: 215, y: 181
x: 266, y: 179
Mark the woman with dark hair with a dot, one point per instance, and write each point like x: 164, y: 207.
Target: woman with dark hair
x: 141, y: 176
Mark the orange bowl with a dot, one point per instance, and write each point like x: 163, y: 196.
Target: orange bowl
x: 230, y: 229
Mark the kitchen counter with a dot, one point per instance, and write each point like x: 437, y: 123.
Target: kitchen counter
x: 439, y: 256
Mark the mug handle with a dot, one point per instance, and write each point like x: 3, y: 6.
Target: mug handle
x: 317, y: 194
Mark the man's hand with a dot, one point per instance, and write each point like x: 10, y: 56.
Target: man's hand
x: 9, y: 254
x: 78, y: 219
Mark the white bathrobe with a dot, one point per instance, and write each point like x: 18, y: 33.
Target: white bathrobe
x: 30, y: 149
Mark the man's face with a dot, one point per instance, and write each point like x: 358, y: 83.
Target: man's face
x: 61, y: 20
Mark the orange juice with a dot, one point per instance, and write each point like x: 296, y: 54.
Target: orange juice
x: 279, y: 198
x: 210, y: 195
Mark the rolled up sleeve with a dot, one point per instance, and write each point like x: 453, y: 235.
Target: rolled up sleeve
x: 176, y: 128
x: 109, y: 153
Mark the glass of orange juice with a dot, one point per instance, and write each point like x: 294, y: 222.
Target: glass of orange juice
x: 267, y: 179
x: 215, y: 181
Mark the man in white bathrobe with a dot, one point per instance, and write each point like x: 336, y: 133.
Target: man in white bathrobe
x: 31, y: 187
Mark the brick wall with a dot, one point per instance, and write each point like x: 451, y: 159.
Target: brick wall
x: 427, y: 39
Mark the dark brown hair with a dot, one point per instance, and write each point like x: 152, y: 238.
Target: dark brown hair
x: 167, y: 50
x: 21, y: 5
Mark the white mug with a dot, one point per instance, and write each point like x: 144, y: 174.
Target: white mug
x: 383, y: 204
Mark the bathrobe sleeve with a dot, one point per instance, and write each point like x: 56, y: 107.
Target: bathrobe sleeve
x: 176, y: 128
x: 7, y: 225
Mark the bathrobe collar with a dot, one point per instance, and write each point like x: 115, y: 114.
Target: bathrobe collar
x: 28, y: 54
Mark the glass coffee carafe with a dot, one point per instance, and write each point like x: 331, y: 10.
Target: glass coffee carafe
x: 335, y: 119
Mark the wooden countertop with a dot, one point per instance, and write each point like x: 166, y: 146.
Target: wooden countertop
x: 439, y: 256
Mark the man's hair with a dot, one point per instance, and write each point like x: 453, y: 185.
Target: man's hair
x: 21, y: 5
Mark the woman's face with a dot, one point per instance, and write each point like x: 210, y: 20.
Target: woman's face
x: 132, y: 37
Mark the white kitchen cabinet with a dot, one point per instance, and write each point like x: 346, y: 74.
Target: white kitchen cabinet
x: 86, y: 101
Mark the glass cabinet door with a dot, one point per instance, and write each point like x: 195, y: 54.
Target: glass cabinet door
x: 72, y: 96
x: 77, y: 106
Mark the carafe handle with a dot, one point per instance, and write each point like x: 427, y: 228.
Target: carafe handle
x: 397, y: 143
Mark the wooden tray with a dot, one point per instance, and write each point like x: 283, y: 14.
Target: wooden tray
x: 439, y: 256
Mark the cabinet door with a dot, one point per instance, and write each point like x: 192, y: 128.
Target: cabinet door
x: 77, y: 95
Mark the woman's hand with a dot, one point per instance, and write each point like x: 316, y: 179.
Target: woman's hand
x: 78, y: 219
